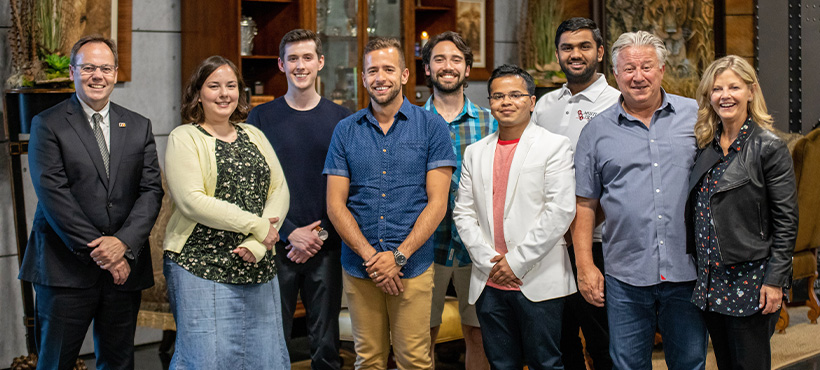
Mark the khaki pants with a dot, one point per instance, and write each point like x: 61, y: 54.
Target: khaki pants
x: 375, y: 315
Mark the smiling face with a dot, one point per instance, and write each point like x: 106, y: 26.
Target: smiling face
x: 448, y: 69
x: 639, y: 76
x: 730, y: 97
x: 383, y: 75
x: 301, y: 64
x: 94, y: 88
x: 219, y: 95
x: 578, y: 56
x: 507, y: 111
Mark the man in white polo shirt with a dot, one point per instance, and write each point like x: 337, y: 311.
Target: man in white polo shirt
x: 565, y: 111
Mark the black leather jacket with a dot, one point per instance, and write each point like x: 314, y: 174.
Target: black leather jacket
x: 754, y: 207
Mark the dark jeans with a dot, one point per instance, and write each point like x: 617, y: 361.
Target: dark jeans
x: 518, y: 332
x: 319, y: 284
x: 742, y: 342
x: 635, y: 311
x: 578, y: 313
x: 62, y: 318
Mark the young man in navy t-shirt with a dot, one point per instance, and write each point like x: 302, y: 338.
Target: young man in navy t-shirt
x: 300, y: 125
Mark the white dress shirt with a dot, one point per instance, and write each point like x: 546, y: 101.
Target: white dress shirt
x: 105, y: 125
x: 565, y: 114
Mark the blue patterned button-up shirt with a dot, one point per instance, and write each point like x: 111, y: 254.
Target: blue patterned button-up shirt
x: 471, y: 125
x: 388, y: 178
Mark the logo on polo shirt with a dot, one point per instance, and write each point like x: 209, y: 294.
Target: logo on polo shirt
x: 586, y: 115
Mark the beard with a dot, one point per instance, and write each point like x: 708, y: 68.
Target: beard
x: 449, y: 89
x: 580, y: 77
x: 393, y: 93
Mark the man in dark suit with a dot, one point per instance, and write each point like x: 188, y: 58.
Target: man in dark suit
x: 88, y: 254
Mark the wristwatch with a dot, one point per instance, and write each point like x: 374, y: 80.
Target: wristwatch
x: 401, y: 259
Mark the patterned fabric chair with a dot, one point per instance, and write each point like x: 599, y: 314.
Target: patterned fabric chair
x: 155, y: 311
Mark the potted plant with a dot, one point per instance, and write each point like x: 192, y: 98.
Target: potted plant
x: 40, y: 75
x: 536, y: 48
x: 35, y: 39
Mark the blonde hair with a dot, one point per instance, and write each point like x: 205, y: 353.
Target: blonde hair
x: 707, y: 117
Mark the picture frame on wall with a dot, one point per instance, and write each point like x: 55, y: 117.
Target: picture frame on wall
x: 110, y: 18
x: 474, y: 21
x: 691, y: 32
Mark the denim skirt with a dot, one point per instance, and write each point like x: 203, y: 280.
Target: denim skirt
x: 225, y: 326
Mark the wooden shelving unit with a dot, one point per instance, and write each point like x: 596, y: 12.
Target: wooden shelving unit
x: 211, y: 27
x: 434, y: 17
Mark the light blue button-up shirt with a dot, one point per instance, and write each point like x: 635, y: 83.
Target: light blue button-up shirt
x: 640, y: 175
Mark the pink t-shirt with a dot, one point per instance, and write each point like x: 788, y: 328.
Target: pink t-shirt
x: 502, y: 161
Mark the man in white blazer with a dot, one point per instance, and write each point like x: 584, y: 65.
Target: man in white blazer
x: 515, y: 202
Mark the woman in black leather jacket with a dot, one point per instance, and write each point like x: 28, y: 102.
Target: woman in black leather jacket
x: 741, y: 215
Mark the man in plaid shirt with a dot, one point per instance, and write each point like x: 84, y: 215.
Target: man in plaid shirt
x: 447, y: 61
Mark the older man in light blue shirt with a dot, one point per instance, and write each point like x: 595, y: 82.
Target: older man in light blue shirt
x: 634, y: 158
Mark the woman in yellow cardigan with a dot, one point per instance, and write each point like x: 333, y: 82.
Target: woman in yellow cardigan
x: 230, y: 197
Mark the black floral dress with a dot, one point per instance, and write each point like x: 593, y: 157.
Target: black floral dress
x: 243, y: 178
x: 732, y: 290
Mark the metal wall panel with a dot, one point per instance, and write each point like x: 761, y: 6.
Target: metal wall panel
x: 810, y: 22
x: 773, y: 58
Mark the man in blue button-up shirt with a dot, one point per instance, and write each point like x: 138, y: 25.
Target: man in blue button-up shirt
x: 388, y: 174
x: 634, y: 158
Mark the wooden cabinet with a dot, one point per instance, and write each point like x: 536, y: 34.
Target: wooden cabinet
x: 345, y: 26
x: 433, y: 17
x: 212, y: 27
x: 437, y: 16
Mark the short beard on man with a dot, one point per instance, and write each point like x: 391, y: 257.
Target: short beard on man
x: 456, y: 87
x: 584, y: 76
x: 384, y: 100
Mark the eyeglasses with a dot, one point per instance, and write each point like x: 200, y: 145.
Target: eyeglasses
x: 88, y: 68
x: 515, y: 95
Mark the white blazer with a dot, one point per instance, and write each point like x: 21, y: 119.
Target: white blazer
x: 539, y: 207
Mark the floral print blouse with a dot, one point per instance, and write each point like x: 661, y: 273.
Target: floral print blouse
x: 243, y: 178
x: 732, y: 290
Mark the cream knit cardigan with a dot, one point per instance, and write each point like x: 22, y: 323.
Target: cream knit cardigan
x: 190, y: 169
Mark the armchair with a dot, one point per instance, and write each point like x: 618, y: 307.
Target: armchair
x: 806, y: 156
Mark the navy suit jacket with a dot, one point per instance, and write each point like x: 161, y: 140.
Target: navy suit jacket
x: 78, y: 203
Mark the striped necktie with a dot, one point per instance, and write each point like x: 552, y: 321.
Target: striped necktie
x: 97, y: 119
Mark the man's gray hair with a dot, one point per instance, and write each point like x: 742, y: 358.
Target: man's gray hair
x: 639, y: 38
